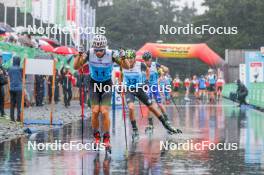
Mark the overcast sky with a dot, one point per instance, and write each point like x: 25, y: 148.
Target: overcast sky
x: 199, y: 7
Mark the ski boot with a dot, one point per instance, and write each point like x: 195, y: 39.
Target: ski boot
x: 106, y: 141
x: 171, y: 130
x: 166, y: 118
x: 97, y: 139
x: 135, y: 135
x: 149, y: 129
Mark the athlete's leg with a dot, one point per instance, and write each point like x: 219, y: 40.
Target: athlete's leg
x: 95, y: 114
x: 130, y: 99
x: 95, y: 107
x: 142, y: 96
x: 104, y: 109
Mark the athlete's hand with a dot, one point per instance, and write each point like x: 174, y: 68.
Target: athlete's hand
x: 115, y: 54
x: 122, y: 54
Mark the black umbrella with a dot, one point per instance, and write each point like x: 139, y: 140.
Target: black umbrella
x: 7, y: 27
x: 2, y: 30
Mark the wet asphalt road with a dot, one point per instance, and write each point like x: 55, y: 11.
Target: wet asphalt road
x: 221, y: 123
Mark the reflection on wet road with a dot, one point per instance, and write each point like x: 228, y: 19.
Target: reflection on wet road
x: 213, y: 124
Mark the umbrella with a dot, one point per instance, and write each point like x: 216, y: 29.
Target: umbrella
x: 2, y: 30
x: 47, y: 48
x: 53, y: 43
x: 65, y: 50
x: 25, y: 41
x: 7, y: 27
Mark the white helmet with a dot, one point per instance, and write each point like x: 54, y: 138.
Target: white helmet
x: 99, y: 41
x: 210, y: 70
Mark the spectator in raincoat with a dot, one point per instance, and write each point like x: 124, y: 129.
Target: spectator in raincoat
x: 68, y: 81
x: 242, y: 93
x: 15, y: 78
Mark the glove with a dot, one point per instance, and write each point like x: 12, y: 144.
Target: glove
x: 116, y: 54
x: 122, y: 54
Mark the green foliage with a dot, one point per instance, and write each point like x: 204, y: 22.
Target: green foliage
x: 132, y: 23
x: 247, y: 15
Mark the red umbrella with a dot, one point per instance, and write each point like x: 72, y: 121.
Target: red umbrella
x: 65, y: 50
x: 47, y: 48
x: 53, y: 43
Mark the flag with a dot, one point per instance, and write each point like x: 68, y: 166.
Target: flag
x: 61, y: 10
x: 36, y: 9
x: 26, y: 4
x: 15, y: 3
x: 48, y: 11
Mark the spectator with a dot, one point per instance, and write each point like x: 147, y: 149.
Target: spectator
x: 82, y: 83
x: 67, y: 81
x: 15, y: 77
x: 242, y: 93
x: 3, y: 81
x: 39, y: 79
x: 56, y: 90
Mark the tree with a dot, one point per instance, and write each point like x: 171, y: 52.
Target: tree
x: 246, y: 15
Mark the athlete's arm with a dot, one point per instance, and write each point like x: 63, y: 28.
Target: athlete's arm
x: 145, y: 68
x: 80, y: 60
x: 120, y: 60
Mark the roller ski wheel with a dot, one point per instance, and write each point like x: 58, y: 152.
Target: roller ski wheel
x: 135, y: 135
x: 97, y: 140
x: 149, y: 129
x: 106, y: 141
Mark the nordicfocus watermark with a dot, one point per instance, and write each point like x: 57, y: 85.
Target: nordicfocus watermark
x: 57, y: 145
x: 99, y: 87
x: 191, y: 29
x: 58, y: 29
x: 190, y: 145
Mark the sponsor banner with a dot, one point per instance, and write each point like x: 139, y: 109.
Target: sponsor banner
x: 256, y: 72
x: 39, y: 67
x: 254, y: 67
x: 201, y: 51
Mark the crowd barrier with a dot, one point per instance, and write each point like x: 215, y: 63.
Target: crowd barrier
x: 255, y: 93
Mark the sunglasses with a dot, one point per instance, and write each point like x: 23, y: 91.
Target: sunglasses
x: 99, y: 50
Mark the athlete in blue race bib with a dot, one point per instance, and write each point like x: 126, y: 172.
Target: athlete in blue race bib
x: 100, y: 61
x: 154, y: 87
x: 133, y: 79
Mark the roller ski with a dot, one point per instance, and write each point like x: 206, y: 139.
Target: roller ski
x: 97, y: 140
x: 106, y: 142
x: 149, y: 129
x: 135, y: 135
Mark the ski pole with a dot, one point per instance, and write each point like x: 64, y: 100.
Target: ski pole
x: 82, y: 102
x: 124, y: 112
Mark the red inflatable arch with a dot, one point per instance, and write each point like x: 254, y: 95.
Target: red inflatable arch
x: 200, y: 51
